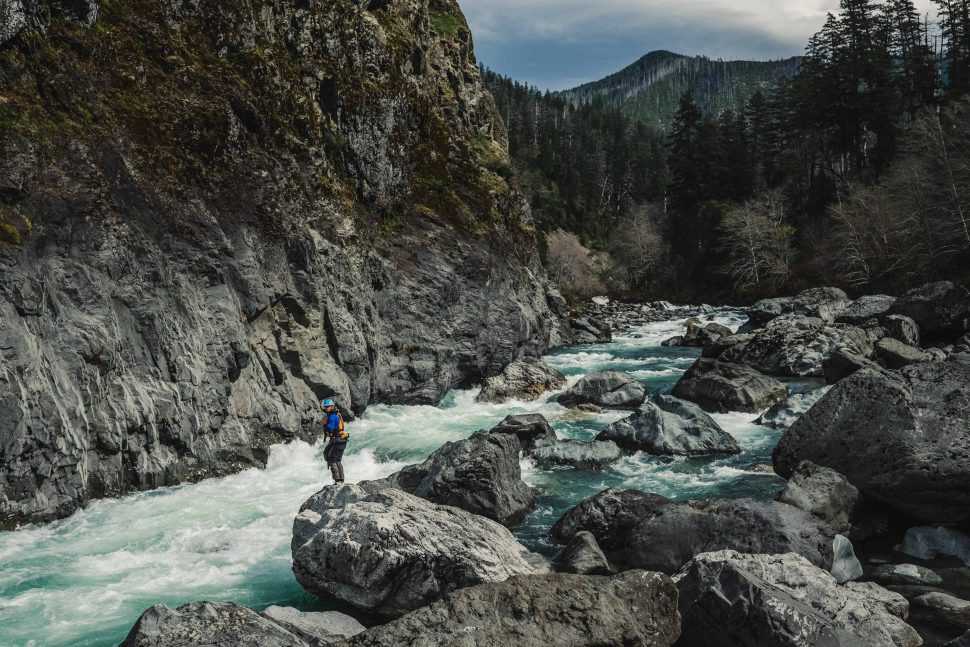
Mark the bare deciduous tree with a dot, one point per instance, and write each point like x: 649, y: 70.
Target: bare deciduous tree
x: 572, y: 266
x: 758, y: 243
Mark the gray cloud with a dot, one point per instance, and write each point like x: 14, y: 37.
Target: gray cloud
x: 557, y: 44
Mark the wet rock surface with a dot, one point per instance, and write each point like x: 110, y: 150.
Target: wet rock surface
x: 524, y: 379
x: 583, y: 455
x: 391, y: 552
x: 532, y: 429
x: 607, y: 389
x: 720, y: 387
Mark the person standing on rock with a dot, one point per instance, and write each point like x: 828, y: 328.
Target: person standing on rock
x: 337, y: 437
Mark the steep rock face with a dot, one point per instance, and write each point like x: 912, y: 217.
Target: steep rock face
x: 259, y: 206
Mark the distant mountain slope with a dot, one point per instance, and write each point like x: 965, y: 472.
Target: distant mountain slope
x: 650, y: 89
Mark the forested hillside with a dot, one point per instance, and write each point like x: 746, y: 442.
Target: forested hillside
x: 855, y: 171
x: 649, y: 90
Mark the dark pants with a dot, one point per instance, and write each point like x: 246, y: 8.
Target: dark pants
x: 333, y: 453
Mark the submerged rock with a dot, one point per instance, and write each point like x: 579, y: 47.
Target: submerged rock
x: 669, y: 426
x: 899, y: 437
x: 391, y: 552
x: 583, y: 455
x: 632, y: 608
x: 532, y: 429
x: 583, y: 556
x: 721, y: 387
x: 608, y: 389
x: 729, y: 598
x: 609, y: 516
x: 524, y: 379
x: 480, y: 474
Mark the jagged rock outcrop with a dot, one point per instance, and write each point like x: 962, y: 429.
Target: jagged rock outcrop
x: 318, y: 209
x: 632, y: 608
x: 900, y: 437
x: 797, y: 346
x: 480, y: 474
x: 524, y: 379
x: 225, y: 624
x: 391, y: 552
x: 669, y: 426
x: 609, y: 389
x: 721, y: 387
x: 728, y: 598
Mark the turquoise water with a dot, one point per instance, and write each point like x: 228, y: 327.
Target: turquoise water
x: 83, y: 581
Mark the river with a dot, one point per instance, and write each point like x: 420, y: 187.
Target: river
x: 83, y: 581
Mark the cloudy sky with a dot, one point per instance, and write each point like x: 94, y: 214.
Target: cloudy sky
x: 558, y: 44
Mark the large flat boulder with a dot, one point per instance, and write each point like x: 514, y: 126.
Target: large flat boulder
x: 669, y: 426
x: 525, y: 379
x: 583, y: 455
x: 797, y: 346
x: 866, y: 308
x: 895, y: 354
x: 941, y: 310
x: 608, y: 389
x: 721, y: 387
x: 480, y: 474
x: 729, y: 598
x: 390, y: 552
x: 901, y: 437
x: 609, y: 516
x: 632, y: 608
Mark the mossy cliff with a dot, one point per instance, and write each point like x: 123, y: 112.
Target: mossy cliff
x: 214, y: 213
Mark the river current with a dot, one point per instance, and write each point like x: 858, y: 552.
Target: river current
x: 83, y: 581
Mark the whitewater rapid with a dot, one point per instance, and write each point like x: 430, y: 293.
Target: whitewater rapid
x: 84, y: 580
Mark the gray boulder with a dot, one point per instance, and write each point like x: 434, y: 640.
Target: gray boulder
x: 729, y: 598
x: 797, y: 346
x: 532, y: 429
x: 945, y: 608
x: 632, y: 608
x: 895, y: 354
x: 525, y: 379
x: 942, y: 309
x: 783, y: 415
x: 608, y: 389
x: 225, y: 624
x: 480, y: 474
x: 390, y: 552
x: 703, y: 336
x: 927, y: 542
x: 587, y: 330
x: 900, y: 437
x: 902, y: 328
x: 719, y: 347
x: 673, y: 342
x: 583, y: 455
x: 843, y: 363
x: 822, y: 492
x: 678, y: 532
x: 823, y: 303
x: 767, y: 309
x: 962, y: 641
x: 609, y: 516
x: 583, y: 556
x: 668, y: 426
x: 905, y: 574
x: 722, y: 387
x: 866, y: 308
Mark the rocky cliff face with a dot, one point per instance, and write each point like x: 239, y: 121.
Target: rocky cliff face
x: 214, y: 213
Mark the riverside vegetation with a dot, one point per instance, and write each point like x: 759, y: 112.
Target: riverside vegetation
x: 216, y: 214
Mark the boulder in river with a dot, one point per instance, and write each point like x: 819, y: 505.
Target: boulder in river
x: 579, y: 454
x: 527, y: 378
x: 609, y: 516
x: 783, y: 415
x: 822, y: 492
x: 722, y: 387
x: 532, y: 429
x: 866, y: 308
x: 895, y: 354
x: 608, y: 389
x: 583, y: 556
x: 942, y: 309
x: 843, y: 363
x: 797, y: 346
x: 901, y: 437
x: 225, y: 624
x: 767, y: 309
x: 587, y: 330
x: 480, y: 474
x: 729, y: 598
x: 703, y: 336
x: 632, y: 608
x: 390, y: 552
x: 677, y: 532
x: 669, y: 426
x: 717, y: 348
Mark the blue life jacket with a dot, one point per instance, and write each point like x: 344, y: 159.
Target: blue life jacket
x: 335, y: 427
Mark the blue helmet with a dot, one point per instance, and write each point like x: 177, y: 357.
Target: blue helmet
x: 327, y: 403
